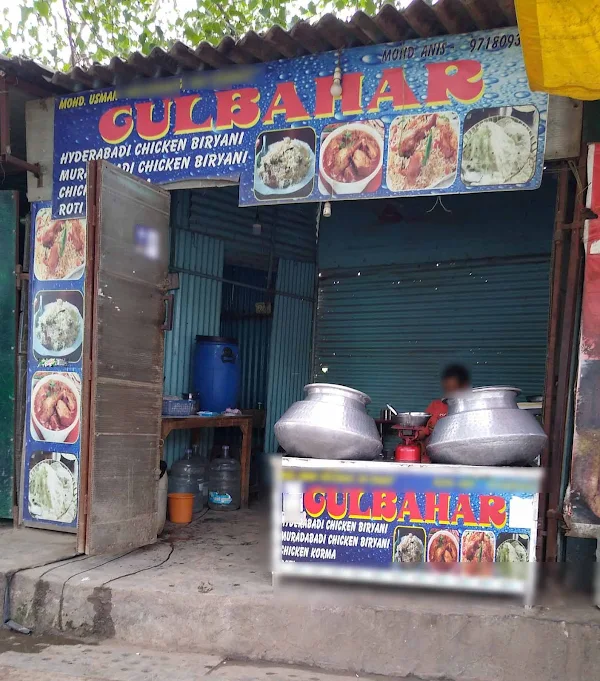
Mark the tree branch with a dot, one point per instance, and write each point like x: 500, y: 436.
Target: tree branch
x: 221, y: 9
x: 69, y: 34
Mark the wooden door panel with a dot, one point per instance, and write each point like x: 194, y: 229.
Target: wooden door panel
x: 131, y: 254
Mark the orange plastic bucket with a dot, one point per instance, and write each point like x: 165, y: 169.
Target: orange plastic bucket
x: 180, y: 507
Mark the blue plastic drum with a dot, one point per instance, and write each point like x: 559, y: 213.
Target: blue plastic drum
x: 216, y: 373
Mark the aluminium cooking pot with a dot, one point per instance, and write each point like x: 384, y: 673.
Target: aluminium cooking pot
x: 485, y: 427
x: 331, y: 422
x: 411, y: 419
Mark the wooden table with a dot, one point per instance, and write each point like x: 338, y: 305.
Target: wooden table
x: 244, y: 423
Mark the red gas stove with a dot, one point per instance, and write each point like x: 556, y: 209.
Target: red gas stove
x: 408, y: 426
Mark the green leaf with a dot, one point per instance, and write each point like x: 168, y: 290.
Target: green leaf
x: 190, y: 35
x: 26, y: 12
x: 42, y: 7
x: 427, y: 148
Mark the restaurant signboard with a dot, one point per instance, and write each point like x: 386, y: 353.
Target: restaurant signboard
x: 445, y: 115
x: 439, y: 526
x: 51, y: 465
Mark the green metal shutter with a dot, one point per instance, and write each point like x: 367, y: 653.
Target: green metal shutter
x: 8, y: 223
x: 389, y: 331
x: 291, y: 339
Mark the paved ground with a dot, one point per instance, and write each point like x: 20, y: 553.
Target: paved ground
x: 25, y: 547
x: 207, y: 588
x: 23, y: 658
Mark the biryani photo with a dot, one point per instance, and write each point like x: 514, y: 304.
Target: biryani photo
x: 423, y: 151
x: 52, y: 494
x: 286, y: 163
x: 59, y: 251
x: 477, y: 547
x: 58, y: 328
x: 409, y: 549
x: 443, y: 548
x: 498, y: 150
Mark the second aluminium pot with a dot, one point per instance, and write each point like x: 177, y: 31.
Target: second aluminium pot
x: 330, y: 423
x: 485, y: 427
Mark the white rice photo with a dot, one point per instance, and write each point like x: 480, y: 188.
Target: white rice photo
x: 52, y: 491
x: 58, y: 328
x: 499, y: 149
x: 285, y: 166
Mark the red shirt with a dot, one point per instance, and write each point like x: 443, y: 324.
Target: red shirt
x: 438, y: 410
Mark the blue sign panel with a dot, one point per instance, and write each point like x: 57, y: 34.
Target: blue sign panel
x: 54, y: 370
x: 445, y: 115
x: 467, y: 521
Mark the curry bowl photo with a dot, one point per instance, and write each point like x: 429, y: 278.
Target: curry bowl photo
x: 442, y: 547
x: 351, y: 157
x: 55, y: 407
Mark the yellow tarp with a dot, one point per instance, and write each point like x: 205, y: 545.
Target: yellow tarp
x: 561, y: 46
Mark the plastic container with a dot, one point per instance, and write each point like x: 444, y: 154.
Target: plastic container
x: 173, y: 407
x: 216, y: 373
x: 224, y: 483
x: 181, y: 507
x: 189, y: 476
x: 163, y: 488
x: 201, y: 459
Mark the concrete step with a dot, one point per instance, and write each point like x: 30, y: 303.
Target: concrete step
x: 207, y: 589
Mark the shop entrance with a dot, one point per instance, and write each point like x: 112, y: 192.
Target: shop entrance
x: 379, y: 297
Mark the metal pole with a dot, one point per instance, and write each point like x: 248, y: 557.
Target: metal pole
x: 555, y: 462
x: 553, y: 327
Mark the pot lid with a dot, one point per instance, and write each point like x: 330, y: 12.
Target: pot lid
x: 343, y: 389
x: 481, y: 389
x: 496, y: 387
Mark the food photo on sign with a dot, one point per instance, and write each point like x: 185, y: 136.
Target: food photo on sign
x: 285, y: 164
x: 422, y: 151
x: 59, y: 250
x: 409, y: 545
x: 500, y: 145
x: 55, y: 406
x: 58, y: 325
x: 53, y: 479
x: 351, y: 158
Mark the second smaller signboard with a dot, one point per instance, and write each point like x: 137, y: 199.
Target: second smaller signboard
x: 440, y: 526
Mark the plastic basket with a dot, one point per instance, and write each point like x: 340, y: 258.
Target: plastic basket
x: 178, y: 407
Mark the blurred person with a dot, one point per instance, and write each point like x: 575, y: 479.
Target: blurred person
x: 454, y: 378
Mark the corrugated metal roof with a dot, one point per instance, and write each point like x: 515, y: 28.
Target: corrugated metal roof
x: 30, y: 76
x: 420, y: 19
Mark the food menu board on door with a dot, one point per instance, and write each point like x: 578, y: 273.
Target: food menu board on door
x: 50, y: 480
x: 451, y: 114
x: 424, y: 525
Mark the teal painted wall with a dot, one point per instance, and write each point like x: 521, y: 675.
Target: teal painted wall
x: 477, y: 226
